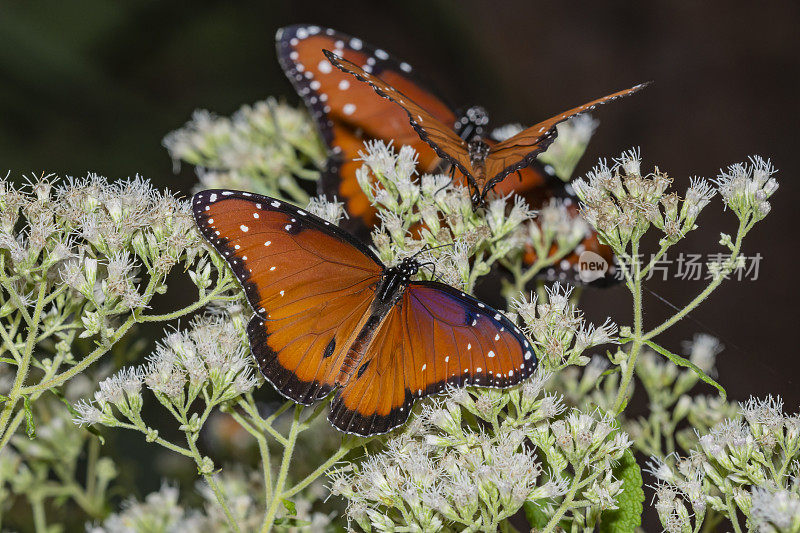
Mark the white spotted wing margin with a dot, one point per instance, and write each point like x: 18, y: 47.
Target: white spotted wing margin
x: 434, y: 337
x: 310, y: 285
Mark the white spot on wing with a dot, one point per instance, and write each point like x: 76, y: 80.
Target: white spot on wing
x: 244, y: 228
x: 324, y: 66
x: 490, y: 354
x: 344, y: 85
x: 349, y: 109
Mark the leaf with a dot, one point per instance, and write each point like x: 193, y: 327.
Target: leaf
x: 30, y: 426
x: 628, y: 516
x: 290, y: 507
x: 683, y: 362
x: 535, y: 515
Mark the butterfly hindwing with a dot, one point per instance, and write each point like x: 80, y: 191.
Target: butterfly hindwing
x: 433, y: 337
x: 309, y: 283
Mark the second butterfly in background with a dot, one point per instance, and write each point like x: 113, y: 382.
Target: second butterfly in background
x: 348, y: 112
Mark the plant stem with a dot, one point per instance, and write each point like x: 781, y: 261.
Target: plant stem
x: 198, y: 458
x: 39, y: 515
x: 551, y: 525
x: 706, y: 292
x: 732, y: 514
x: 24, y: 366
x: 277, y: 493
x: 636, y: 346
x: 343, y: 450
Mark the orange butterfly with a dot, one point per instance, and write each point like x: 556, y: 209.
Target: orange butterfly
x: 484, y: 164
x: 328, y: 315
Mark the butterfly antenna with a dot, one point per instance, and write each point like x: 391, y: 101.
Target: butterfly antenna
x: 446, y: 185
x: 433, y: 270
x: 427, y: 248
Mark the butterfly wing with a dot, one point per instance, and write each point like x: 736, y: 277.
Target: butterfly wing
x: 440, y: 136
x: 310, y: 284
x: 521, y: 149
x: 433, y: 337
x: 348, y: 113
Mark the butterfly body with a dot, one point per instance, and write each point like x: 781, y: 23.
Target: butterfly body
x: 329, y: 317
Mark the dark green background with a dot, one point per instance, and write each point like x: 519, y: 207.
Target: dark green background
x: 95, y: 85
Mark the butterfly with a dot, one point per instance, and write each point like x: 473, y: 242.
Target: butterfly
x: 485, y: 164
x: 347, y: 114
x: 330, y: 317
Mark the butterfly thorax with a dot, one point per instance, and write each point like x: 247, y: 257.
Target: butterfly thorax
x: 395, y: 279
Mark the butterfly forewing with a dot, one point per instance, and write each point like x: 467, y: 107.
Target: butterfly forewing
x: 347, y: 112
x: 429, y: 127
x: 309, y: 283
x: 521, y: 149
x: 434, y: 337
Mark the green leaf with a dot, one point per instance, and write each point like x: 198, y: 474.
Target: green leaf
x: 628, y: 516
x: 535, y: 515
x: 30, y: 427
x: 290, y: 507
x: 683, y: 362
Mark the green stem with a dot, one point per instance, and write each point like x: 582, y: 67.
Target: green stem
x: 87, y: 361
x: 551, y: 525
x: 24, y: 366
x: 627, y: 376
x: 277, y: 493
x: 39, y: 515
x: 198, y: 458
x: 214, y: 295
x: 706, y: 292
x: 343, y: 450
x: 732, y: 514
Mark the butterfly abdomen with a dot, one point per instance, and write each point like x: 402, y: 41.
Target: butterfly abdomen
x: 354, y: 360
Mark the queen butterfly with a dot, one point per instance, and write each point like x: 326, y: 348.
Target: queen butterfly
x: 347, y: 114
x: 484, y: 164
x: 328, y: 315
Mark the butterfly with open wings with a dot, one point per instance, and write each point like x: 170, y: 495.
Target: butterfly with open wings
x: 329, y: 317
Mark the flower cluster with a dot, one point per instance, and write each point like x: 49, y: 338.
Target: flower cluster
x: 746, y: 465
x: 745, y: 188
x: 61, y: 465
x: 208, y: 361
x: 570, y: 144
x: 622, y: 204
x: 83, y: 258
x: 476, y: 456
x: 262, y: 148
x: 433, y: 211
x: 559, y: 332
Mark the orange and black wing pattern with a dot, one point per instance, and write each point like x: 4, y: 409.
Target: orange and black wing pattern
x: 521, y: 149
x: 309, y: 283
x: 348, y: 113
x: 427, y: 123
x: 434, y: 337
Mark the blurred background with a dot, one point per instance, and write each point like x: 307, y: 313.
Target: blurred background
x: 95, y: 85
